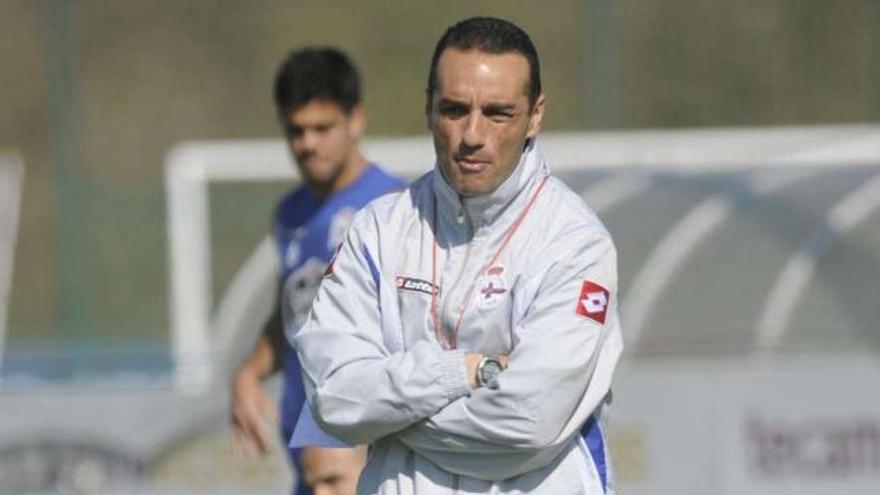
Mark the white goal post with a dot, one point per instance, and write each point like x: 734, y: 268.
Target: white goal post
x: 202, y: 332
x: 11, y: 185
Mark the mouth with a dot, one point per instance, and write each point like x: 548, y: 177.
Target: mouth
x: 471, y: 164
x: 308, y: 160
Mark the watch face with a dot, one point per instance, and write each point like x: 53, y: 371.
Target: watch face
x: 489, y: 369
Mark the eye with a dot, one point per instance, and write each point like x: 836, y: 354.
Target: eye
x: 451, y: 109
x: 499, y: 114
x: 293, y: 131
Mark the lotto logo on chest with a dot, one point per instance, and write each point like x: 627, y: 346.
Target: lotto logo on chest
x: 415, y: 285
x: 491, y: 288
x: 593, y: 301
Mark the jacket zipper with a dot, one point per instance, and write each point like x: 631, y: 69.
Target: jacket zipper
x: 462, y: 218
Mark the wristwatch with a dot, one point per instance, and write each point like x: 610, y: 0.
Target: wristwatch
x: 489, y: 368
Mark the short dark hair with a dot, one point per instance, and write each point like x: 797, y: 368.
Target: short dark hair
x: 316, y: 73
x: 490, y: 35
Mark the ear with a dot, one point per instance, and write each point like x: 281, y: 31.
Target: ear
x: 357, y: 122
x: 536, y: 116
x: 429, y: 110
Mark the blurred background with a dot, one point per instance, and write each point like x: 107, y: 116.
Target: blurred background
x: 751, y: 126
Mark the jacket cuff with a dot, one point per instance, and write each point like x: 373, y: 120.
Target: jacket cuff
x: 453, y: 374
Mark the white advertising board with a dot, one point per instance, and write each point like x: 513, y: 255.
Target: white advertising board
x: 797, y: 425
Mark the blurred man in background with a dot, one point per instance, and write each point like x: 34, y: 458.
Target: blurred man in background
x: 318, y: 98
x: 486, y: 365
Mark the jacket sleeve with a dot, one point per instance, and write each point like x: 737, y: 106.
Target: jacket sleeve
x: 359, y: 389
x: 559, y: 372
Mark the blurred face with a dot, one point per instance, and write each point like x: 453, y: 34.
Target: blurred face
x: 480, y: 117
x: 323, y: 139
x: 329, y: 471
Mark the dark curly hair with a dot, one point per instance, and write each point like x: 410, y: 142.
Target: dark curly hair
x: 316, y: 73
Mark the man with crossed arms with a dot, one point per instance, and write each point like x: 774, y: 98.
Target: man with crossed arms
x: 467, y: 328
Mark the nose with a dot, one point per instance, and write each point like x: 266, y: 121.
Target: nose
x: 309, y: 139
x: 474, y: 135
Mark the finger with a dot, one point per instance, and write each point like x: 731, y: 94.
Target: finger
x: 241, y: 445
x: 251, y: 435
x: 249, y: 411
x: 261, y: 438
x: 256, y: 434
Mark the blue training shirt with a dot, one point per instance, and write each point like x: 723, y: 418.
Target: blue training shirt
x: 307, y: 230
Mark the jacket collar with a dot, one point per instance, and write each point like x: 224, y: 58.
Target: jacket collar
x: 486, y: 209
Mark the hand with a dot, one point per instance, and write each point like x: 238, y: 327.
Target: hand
x: 251, y: 407
x: 473, y: 360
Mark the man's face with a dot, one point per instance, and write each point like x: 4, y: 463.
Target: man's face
x: 480, y: 117
x: 329, y: 471
x: 323, y: 139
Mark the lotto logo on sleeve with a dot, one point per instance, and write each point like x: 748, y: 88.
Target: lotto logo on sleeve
x: 593, y: 302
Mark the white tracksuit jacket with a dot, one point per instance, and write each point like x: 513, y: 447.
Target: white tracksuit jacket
x: 376, y: 372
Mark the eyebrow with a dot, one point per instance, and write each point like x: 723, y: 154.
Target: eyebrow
x: 492, y: 105
x: 504, y: 107
x: 451, y: 101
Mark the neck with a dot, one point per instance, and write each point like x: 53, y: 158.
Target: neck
x: 485, y: 209
x: 346, y: 176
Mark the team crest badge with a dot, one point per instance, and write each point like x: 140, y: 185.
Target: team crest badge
x: 299, y: 290
x: 491, y: 288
